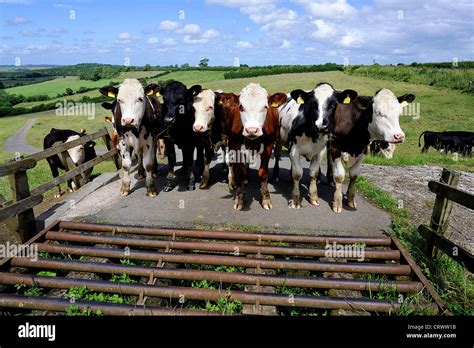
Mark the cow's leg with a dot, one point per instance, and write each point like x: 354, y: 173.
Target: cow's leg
x: 339, y: 174
x: 330, y: 164
x: 188, y: 153
x: 230, y: 175
x: 263, y: 176
x: 296, y: 174
x: 314, y: 171
x: 276, y: 167
x: 149, y: 157
x: 170, y: 177
x: 126, y: 164
x: 55, y: 173
x: 240, y: 174
x: 209, y: 153
x: 140, y: 167
x: 354, y: 172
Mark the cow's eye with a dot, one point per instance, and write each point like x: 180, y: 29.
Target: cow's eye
x: 120, y: 101
x: 210, y: 108
x: 140, y: 100
x: 241, y: 108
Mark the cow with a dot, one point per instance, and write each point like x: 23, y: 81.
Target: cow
x: 79, y: 154
x: 304, y: 128
x: 136, y: 120
x: 382, y: 147
x: 454, y: 141
x: 178, y: 112
x: 252, y: 121
x: 354, y: 125
x: 204, y: 106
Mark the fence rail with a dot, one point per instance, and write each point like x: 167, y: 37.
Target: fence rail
x: 446, y: 193
x: 24, y: 199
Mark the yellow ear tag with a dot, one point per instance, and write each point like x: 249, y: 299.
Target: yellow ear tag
x: 404, y: 103
x: 111, y: 94
x: 300, y: 100
x: 150, y: 92
x: 274, y: 104
x: 347, y: 100
x: 220, y: 102
x: 158, y: 94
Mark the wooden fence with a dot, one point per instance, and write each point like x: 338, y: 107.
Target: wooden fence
x: 24, y: 199
x: 446, y: 193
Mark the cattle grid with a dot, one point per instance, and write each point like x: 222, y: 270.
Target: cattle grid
x: 246, y: 267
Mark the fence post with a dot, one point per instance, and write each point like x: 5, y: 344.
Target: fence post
x: 69, y: 165
x: 20, y: 190
x: 441, y: 210
x: 110, y: 146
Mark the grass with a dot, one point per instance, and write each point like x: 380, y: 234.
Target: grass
x: 452, y: 281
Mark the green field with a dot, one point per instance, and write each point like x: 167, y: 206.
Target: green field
x: 440, y: 109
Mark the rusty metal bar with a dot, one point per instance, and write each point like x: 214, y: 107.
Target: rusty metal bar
x: 223, y: 260
x: 322, y: 302
x: 220, y: 277
x: 62, y: 305
x: 211, y: 246
x: 221, y: 234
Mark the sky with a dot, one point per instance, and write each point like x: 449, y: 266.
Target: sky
x: 232, y: 32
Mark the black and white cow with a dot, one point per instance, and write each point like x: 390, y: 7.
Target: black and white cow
x: 354, y: 126
x: 304, y: 125
x: 382, y: 147
x: 136, y: 120
x: 79, y: 154
x: 178, y: 112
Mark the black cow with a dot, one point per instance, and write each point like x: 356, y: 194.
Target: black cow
x: 448, y: 141
x: 178, y: 112
x: 79, y: 154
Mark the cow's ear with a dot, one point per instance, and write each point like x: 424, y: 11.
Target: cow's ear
x: 277, y: 99
x: 109, y: 91
x: 364, y: 102
x: 404, y: 100
x: 195, y: 90
x: 153, y: 89
x: 346, y: 96
x: 107, y: 106
x: 300, y: 96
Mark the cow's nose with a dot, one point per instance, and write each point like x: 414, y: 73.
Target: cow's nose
x: 169, y: 120
x: 127, y: 120
x: 199, y: 128
x: 252, y: 131
x: 398, y: 137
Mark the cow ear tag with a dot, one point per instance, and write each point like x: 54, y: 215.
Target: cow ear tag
x: 220, y: 102
x: 150, y: 92
x: 274, y: 104
x: 300, y: 100
x: 404, y: 103
x: 158, y: 94
x: 347, y: 100
x: 111, y: 94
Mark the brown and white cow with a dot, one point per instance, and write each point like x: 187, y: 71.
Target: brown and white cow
x: 354, y: 126
x: 253, y: 129
x: 136, y: 112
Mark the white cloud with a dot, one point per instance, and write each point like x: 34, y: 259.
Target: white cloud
x: 310, y: 49
x: 188, y: 40
x: 17, y: 20
x: 243, y: 44
x: 286, y: 44
x: 169, y: 42
x: 352, y: 38
x: 324, y: 29
x: 210, y: 34
x: 190, y: 29
x: 328, y: 8
x: 152, y: 41
x: 169, y: 25
x: 123, y: 38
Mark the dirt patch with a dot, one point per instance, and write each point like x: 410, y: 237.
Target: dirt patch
x: 409, y: 186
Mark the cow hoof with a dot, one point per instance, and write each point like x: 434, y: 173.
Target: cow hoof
x: 231, y: 187
x: 337, y: 208
x: 58, y: 195
x: 151, y: 193
x: 314, y: 201
x: 238, y: 206
x: 295, y: 205
x: 352, y: 204
x: 124, y: 193
x: 267, y: 205
x: 203, y: 185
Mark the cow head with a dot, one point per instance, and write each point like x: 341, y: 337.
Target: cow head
x: 204, y: 110
x: 254, y: 103
x: 385, y: 124
x: 178, y: 101
x: 129, y: 105
x: 319, y: 105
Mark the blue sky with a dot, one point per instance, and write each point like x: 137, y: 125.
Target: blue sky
x: 254, y: 32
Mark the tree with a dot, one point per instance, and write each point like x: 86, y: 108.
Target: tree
x: 204, y: 62
x: 69, y: 91
x: 185, y: 66
x: 147, y: 67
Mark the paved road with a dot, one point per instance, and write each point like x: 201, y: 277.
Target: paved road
x: 18, y: 143
x: 182, y: 208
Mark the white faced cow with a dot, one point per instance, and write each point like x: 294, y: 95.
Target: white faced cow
x: 136, y: 112
x: 304, y: 125
x: 355, y: 125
